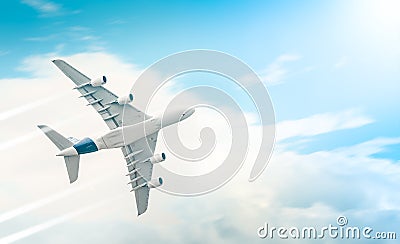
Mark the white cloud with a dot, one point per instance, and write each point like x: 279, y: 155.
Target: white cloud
x: 88, y: 38
x: 50, y: 223
x: 27, y: 110
x: 47, y: 8
x: 294, y: 190
x: 117, y: 22
x: 287, y: 58
x: 26, y: 107
x: 79, y: 28
x: 40, y: 38
x: 42, y: 6
x: 42, y: 202
x: 3, y: 52
x: 321, y: 123
x: 275, y: 73
x: 313, y: 190
x: 368, y: 148
x: 342, y: 62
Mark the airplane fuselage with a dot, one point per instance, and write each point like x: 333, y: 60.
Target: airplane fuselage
x: 125, y: 135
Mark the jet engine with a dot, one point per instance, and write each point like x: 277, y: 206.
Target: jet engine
x: 157, y: 158
x: 155, y: 182
x: 99, y: 81
x: 125, y: 99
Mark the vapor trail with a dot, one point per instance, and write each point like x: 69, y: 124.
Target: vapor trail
x: 17, y: 140
x: 43, y: 202
x: 18, y: 110
x: 50, y: 223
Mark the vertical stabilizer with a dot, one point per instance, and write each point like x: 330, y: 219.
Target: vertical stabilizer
x: 72, y: 163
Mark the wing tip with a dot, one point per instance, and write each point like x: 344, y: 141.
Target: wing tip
x: 56, y: 60
x: 42, y: 127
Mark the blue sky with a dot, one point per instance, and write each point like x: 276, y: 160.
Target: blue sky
x: 320, y: 60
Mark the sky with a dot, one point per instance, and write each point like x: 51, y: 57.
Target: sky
x: 331, y: 69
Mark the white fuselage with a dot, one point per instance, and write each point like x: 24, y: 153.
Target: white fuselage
x: 125, y: 135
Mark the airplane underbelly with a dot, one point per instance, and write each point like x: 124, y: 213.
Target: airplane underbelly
x: 126, y: 135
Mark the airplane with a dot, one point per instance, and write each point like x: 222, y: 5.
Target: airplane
x: 136, y: 133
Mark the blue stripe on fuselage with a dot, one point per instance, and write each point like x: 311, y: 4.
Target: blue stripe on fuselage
x: 86, y: 145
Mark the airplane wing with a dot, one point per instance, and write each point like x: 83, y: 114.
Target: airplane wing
x: 140, y: 169
x: 101, y: 99
x: 136, y: 154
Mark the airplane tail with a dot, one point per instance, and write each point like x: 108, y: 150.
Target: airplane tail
x: 72, y: 162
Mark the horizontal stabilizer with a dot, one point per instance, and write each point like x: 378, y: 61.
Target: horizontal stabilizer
x: 60, y: 141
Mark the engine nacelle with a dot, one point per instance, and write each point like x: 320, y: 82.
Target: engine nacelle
x: 157, y: 158
x: 99, y: 81
x: 125, y: 99
x: 155, y: 183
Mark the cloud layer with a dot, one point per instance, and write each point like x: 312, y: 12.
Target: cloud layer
x: 296, y: 189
